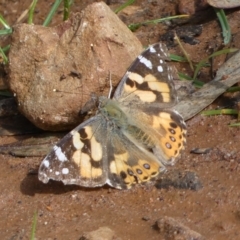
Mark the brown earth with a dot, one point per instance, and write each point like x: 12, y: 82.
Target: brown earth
x: 66, y: 212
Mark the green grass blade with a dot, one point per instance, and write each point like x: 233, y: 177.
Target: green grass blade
x: 220, y: 112
x: 233, y: 89
x: 34, y: 225
x: 184, y: 76
x: 5, y: 59
x: 234, y: 125
x: 223, y: 51
x: 5, y: 49
x: 155, y: 21
x: 135, y: 26
x: 129, y: 2
x: 177, y: 58
x: 5, y: 32
x: 197, y: 83
x: 66, y: 10
x: 226, y: 30
x: 4, y: 22
x: 52, y: 12
x: 8, y: 29
x: 31, y: 11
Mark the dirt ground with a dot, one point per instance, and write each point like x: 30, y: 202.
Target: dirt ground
x: 66, y: 212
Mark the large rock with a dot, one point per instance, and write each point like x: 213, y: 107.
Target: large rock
x: 54, y: 71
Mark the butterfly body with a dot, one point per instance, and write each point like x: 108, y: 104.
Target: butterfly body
x: 133, y: 136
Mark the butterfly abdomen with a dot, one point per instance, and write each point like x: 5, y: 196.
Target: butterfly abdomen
x: 141, y: 136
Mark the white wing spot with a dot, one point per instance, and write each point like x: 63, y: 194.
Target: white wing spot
x: 152, y: 49
x: 65, y: 171
x: 145, y: 61
x: 57, y: 173
x: 160, y: 68
x: 46, y: 163
x: 165, y: 53
x: 60, y: 155
x: 161, y: 61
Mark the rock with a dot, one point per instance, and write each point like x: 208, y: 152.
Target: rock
x: 190, y: 7
x: 224, y: 4
x: 201, y: 150
x: 179, y: 179
x: 172, y: 229
x: 102, y: 233
x: 54, y: 71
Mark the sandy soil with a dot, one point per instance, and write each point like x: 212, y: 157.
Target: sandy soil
x: 66, y: 212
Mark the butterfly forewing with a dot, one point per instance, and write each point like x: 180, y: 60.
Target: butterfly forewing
x: 149, y: 80
x: 79, y: 158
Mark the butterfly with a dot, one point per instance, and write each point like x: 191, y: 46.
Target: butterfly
x: 133, y: 136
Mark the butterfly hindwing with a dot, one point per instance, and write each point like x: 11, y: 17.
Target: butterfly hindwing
x: 165, y: 129
x: 129, y: 164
